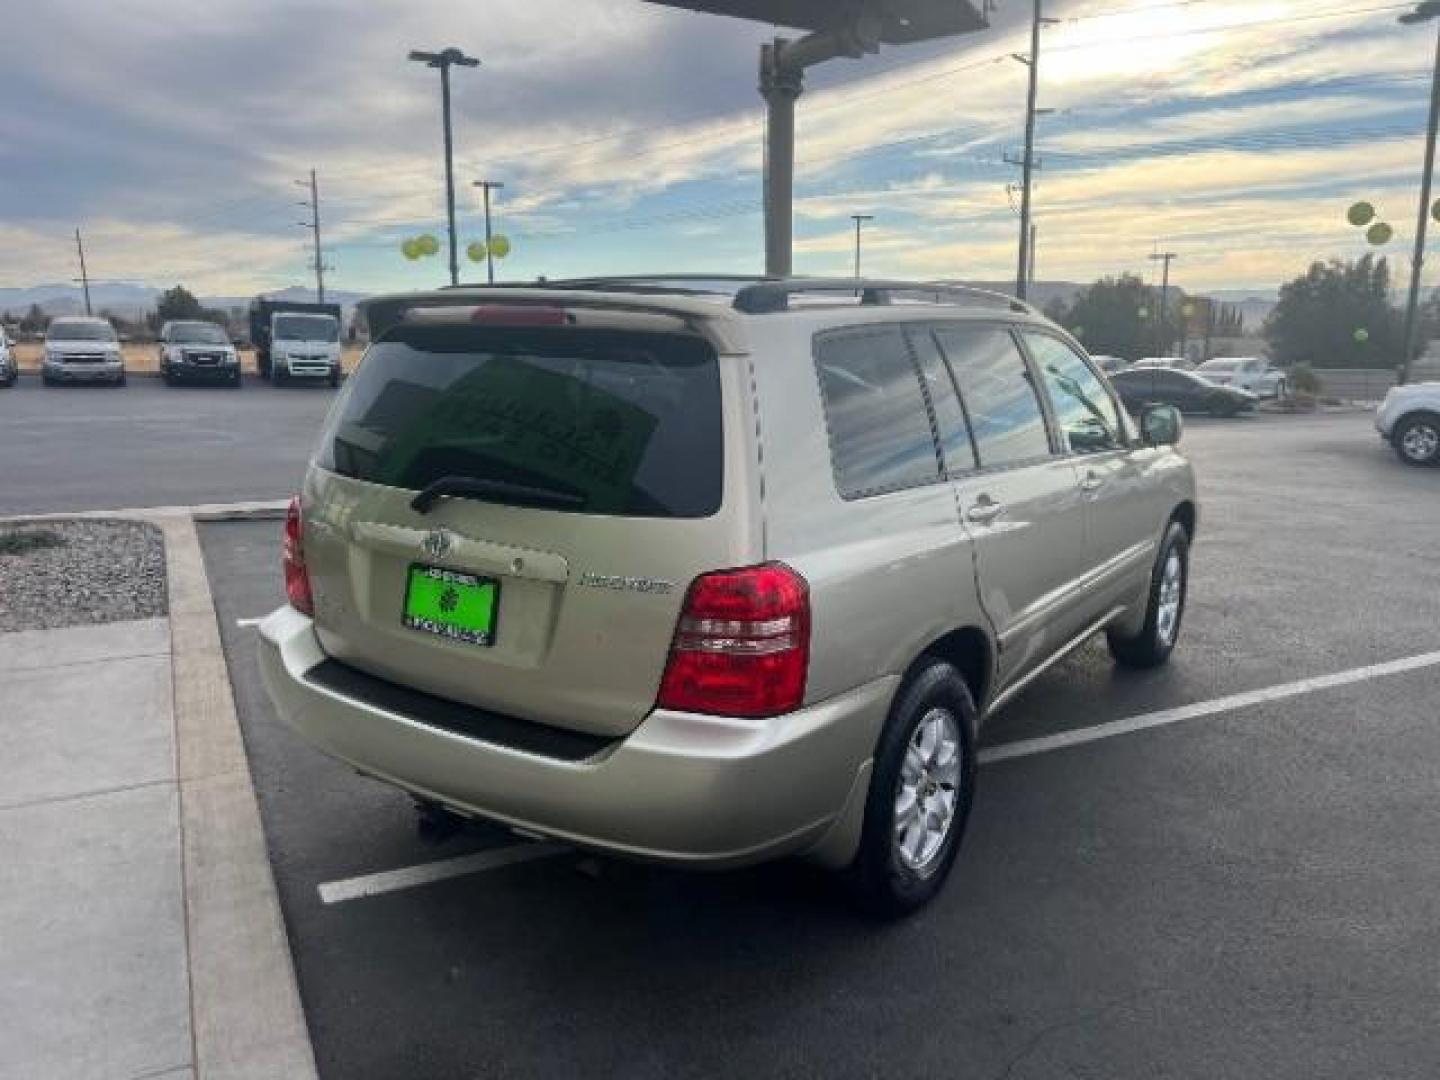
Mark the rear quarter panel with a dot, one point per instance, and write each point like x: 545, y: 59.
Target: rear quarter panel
x: 888, y: 574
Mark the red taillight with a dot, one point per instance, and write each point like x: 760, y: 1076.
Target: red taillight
x: 742, y: 646
x: 297, y: 577
x: 519, y: 315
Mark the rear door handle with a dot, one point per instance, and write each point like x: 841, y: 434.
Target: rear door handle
x: 985, y: 511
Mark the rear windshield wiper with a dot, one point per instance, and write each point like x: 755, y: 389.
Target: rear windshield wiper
x: 468, y: 487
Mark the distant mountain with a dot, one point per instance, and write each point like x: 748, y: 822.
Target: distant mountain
x: 131, y: 299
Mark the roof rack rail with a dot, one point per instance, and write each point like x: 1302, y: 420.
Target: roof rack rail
x: 771, y: 296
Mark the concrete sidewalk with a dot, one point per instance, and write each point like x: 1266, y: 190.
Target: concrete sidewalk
x: 140, y: 935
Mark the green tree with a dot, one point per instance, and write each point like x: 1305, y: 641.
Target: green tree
x: 35, y: 320
x: 177, y: 303
x: 1117, y: 316
x: 1321, y: 314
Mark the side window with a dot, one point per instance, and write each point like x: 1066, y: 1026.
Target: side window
x: 955, y: 445
x: 880, y: 435
x: 1083, y: 407
x: 1005, y: 416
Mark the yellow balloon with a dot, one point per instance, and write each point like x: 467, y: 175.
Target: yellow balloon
x: 1361, y: 214
x: 410, y: 250
x: 427, y: 244
x: 475, y: 252
x: 500, y: 246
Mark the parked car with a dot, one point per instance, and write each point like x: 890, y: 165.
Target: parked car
x: 1185, y: 390
x: 295, y: 340
x: 1409, y: 420
x: 542, y: 573
x: 191, y: 350
x: 9, y: 365
x: 1247, y: 373
x: 82, y: 350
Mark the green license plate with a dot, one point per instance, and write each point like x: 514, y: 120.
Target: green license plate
x: 451, y: 605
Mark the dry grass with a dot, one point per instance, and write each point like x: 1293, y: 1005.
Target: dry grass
x: 146, y: 358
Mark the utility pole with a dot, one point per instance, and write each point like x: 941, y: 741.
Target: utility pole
x: 486, y: 186
x: 1032, y: 61
x: 1034, y: 241
x: 84, y: 277
x: 1423, y: 13
x: 444, y: 61
x: 1167, y: 257
x: 314, y: 226
x: 859, y: 220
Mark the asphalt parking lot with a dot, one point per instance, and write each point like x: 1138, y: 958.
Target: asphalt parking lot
x: 1252, y: 891
x: 74, y: 448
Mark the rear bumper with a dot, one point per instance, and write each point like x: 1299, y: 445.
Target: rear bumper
x: 700, y: 791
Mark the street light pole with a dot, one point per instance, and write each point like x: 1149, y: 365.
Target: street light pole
x: 1422, y: 13
x: 444, y: 61
x: 486, y: 186
x: 859, y: 220
x: 1022, y: 275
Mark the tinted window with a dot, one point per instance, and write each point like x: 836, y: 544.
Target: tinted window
x: 950, y: 420
x: 66, y: 330
x: 880, y: 436
x: 198, y: 334
x: 623, y: 423
x: 306, y: 328
x: 1005, y: 416
x: 1083, y: 408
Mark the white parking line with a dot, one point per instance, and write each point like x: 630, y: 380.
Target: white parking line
x: 1146, y: 721
x: 337, y: 892
x: 245, y: 623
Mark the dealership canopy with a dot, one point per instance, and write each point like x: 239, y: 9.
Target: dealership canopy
x: 835, y: 29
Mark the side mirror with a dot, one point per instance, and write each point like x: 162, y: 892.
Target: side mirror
x: 1160, y: 425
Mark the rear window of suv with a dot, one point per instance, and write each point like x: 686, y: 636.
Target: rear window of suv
x: 620, y: 422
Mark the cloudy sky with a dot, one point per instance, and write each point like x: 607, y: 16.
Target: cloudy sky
x: 1234, y: 132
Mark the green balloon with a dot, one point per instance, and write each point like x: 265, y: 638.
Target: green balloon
x: 499, y: 246
x: 1380, y: 234
x: 1362, y: 335
x: 409, y: 249
x: 427, y: 244
x: 475, y: 251
x: 1361, y: 214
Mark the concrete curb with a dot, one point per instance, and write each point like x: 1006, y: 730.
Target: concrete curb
x: 246, y: 1017
x: 245, y: 1004
x: 241, y: 511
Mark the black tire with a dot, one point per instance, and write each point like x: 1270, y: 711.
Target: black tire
x: 1223, y: 408
x: 334, y: 379
x: 278, y: 377
x: 1417, y: 440
x: 237, y: 380
x: 168, y: 377
x: 1154, y: 644
x: 120, y: 381
x: 881, y: 881
x: 46, y: 380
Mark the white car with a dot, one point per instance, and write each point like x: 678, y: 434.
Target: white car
x: 82, y: 350
x: 9, y: 365
x: 1409, y: 420
x: 1170, y: 362
x: 1247, y: 373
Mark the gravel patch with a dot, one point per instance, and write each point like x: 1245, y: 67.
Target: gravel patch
x: 67, y: 573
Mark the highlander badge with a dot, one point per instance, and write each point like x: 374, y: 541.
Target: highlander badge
x: 437, y: 543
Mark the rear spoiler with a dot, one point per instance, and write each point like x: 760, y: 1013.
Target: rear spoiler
x: 383, y: 314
